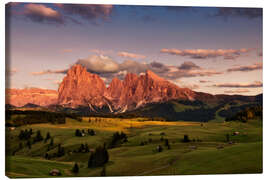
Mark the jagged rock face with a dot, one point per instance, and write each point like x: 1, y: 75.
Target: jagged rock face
x: 114, y: 91
x: 148, y: 88
x: 81, y: 88
x: 21, y: 97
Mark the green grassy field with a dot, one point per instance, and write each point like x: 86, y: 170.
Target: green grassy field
x: 200, y: 156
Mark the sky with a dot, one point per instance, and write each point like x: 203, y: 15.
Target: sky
x: 207, y: 49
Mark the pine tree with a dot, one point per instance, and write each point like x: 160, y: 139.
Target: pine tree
x: 38, y: 137
x: 78, y: 132
x: 29, y: 144
x: 75, y: 168
x: 48, y: 136
x: 186, y: 138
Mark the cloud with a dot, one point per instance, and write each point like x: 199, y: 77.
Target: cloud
x: 256, y: 66
x: 260, y: 53
x: 87, y: 12
x: 207, y: 53
x: 42, y: 14
x: 131, y: 55
x: 186, y: 85
x: 249, y: 13
x: 108, y: 68
x: 50, y: 72
x: 188, y: 65
x: 205, y: 81
x: 203, y: 72
x: 255, y: 84
x: 99, y: 64
x: 237, y: 91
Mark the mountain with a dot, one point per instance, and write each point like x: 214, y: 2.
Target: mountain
x: 81, y: 88
x: 40, y: 97
x: 146, y: 95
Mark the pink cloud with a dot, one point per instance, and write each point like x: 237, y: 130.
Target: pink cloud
x: 50, y: 72
x: 87, y: 11
x: 256, y: 66
x: 131, y: 55
x: 207, y: 53
x: 254, y: 84
x: 41, y: 13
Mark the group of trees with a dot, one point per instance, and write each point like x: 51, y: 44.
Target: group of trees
x: 99, y: 157
x: 247, y: 114
x: 81, y: 133
x: 117, y: 139
x: 59, y: 153
x: 33, y: 117
x: 38, y: 137
x: 25, y: 134
x: 84, y: 148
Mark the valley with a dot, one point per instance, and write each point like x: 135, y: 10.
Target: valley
x: 207, y: 152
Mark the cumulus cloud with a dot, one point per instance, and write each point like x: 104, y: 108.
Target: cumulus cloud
x: 99, y: 64
x: 237, y: 91
x: 50, y: 72
x: 42, y: 14
x: 188, y: 65
x: 250, y: 13
x: 254, y: 84
x: 256, y: 66
x: 108, y: 68
x: 207, y: 53
x: 131, y: 55
x: 86, y: 11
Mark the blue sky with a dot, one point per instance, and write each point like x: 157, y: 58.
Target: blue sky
x: 46, y: 39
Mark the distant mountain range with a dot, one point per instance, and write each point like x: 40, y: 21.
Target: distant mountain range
x: 146, y: 95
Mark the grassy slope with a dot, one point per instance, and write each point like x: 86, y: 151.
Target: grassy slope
x: 132, y: 159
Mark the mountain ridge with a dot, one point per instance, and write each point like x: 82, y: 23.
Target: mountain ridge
x: 80, y: 88
x: 132, y: 92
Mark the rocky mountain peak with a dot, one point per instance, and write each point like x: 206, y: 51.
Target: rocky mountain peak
x: 80, y: 87
x: 76, y: 70
x: 152, y: 75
